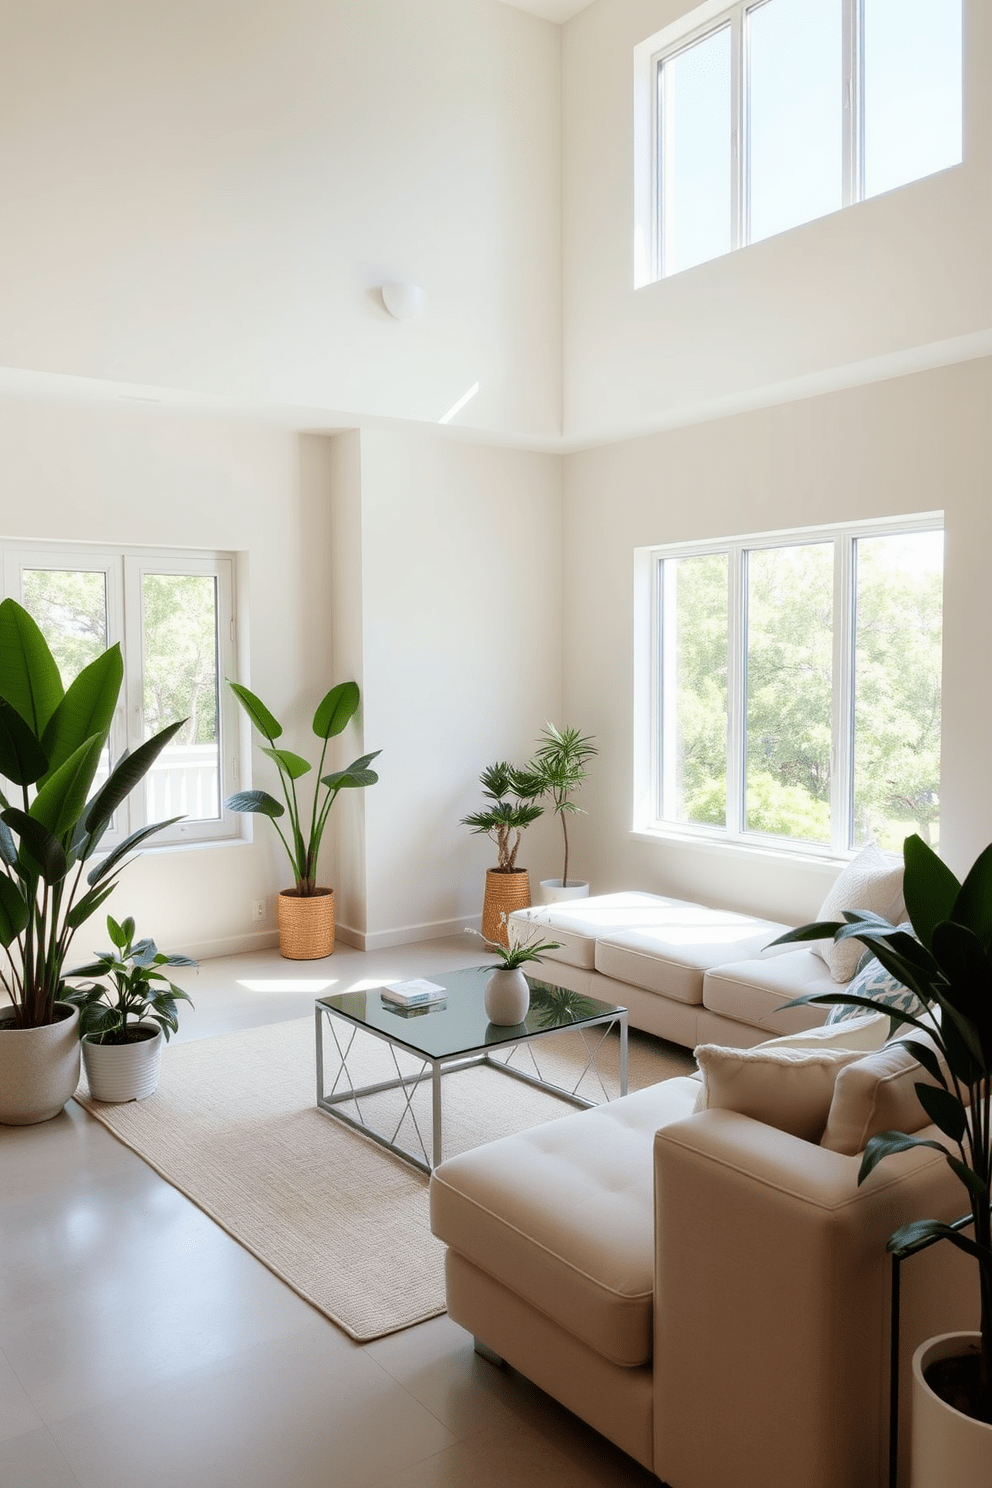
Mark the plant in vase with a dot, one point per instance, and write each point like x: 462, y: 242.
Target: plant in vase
x: 947, y: 963
x: 125, y: 1018
x: 52, y: 740
x: 507, y: 994
x: 306, y: 911
x: 560, y: 761
x: 514, y: 794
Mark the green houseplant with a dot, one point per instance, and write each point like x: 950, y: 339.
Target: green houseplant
x: 561, y: 759
x: 507, y: 994
x: 51, y: 742
x: 947, y: 963
x: 306, y: 911
x: 126, y: 1015
x: 514, y: 795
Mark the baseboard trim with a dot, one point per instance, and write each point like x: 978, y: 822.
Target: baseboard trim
x: 381, y: 940
x: 231, y: 945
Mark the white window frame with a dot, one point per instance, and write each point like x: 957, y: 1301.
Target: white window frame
x: 649, y: 702
x: 649, y: 57
x: 124, y: 569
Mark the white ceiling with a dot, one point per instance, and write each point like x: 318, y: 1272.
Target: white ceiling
x: 551, y: 10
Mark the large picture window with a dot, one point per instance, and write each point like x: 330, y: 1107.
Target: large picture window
x: 767, y: 115
x: 795, y: 687
x: 173, y: 614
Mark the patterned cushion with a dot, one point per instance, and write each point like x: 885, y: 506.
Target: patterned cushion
x: 873, y: 981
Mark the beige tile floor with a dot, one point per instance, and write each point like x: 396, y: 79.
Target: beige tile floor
x: 141, y: 1347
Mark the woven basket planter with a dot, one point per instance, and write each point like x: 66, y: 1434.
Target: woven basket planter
x: 306, y: 924
x: 505, y: 892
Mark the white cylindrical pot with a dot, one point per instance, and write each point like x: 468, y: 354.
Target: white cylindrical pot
x: 123, y: 1072
x: 39, y: 1067
x: 948, y: 1446
x: 507, y: 997
x: 553, y: 891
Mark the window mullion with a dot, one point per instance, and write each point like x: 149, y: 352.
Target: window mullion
x: 736, y: 689
x: 853, y: 110
x: 841, y: 745
x: 738, y: 138
x: 134, y: 684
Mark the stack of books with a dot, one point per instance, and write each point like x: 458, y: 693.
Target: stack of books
x: 413, y: 994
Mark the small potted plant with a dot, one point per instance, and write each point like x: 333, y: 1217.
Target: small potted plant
x: 125, y: 1017
x: 947, y: 962
x: 507, y: 994
x: 514, y: 794
x: 306, y: 911
x: 560, y: 761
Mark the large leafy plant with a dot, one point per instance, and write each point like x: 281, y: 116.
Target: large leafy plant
x: 52, y: 821
x: 302, y: 844
x: 131, y: 986
x: 560, y: 761
x: 947, y: 962
x: 514, y: 794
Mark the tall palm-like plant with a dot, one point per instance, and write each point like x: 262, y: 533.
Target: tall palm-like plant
x: 52, y: 822
x: 514, y: 796
x: 947, y: 962
x: 560, y: 761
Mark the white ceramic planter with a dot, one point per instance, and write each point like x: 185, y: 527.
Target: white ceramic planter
x: 39, y: 1068
x: 507, y: 997
x: 948, y: 1447
x: 123, y: 1072
x: 553, y: 891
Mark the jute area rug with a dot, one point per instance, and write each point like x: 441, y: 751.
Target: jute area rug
x: 233, y: 1126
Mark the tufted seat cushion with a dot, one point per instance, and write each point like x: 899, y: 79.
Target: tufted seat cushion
x: 586, y: 1260
x: 579, y: 923
x: 670, y: 955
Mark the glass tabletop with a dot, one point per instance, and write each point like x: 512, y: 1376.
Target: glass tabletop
x: 459, y: 1025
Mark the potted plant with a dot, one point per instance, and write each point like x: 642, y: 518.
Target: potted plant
x: 51, y: 742
x: 306, y: 911
x: 514, y: 794
x: 947, y: 962
x: 125, y: 1018
x: 507, y: 995
x: 561, y: 759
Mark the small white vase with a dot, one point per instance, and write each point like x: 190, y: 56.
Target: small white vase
x: 123, y: 1072
x: 507, y: 997
x: 553, y: 891
x: 948, y: 1446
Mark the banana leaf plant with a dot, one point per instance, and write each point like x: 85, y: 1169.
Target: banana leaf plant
x: 52, y: 821
x: 302, y: 843
x: 947, y: 962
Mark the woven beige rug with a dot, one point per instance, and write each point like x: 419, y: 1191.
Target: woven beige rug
x: 233, y: 1126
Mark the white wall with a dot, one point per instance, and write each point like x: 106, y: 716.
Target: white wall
x: 204, y: 194
x: 870, y: 291
x: 456, y: 568
x: 917, y: 443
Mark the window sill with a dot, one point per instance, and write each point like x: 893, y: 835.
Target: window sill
x: 752, y: 851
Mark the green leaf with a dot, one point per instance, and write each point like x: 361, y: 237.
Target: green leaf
x: 259, y: 714
x: 927, y: 1057
x: 88, y: 905
x: 125, y: 776
x: 257, y: 801
x: 87, y: 708
x: 969, y: 1178
x: 40, y: 851
x: 889, y: 1142
x: 821, y: 930
x: 973, y: 905
x: 116, y: 933
x: 929, y: 888
x: 13, y: 910
x: 29, y: 677
x: 293, y: 765
x: 8, y: 847
x: 355, y: 776
x: 336, y: 710
x: 22, y: 758
x: 121, y: 849
x: 61, y: 801
x: 921, y: 1233
x: 944, y: 1110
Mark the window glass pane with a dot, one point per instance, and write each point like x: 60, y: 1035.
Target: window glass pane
x: 789, y: 671
x: 897, y: 688
x: 695, y: 130
x: 179, y: 614
x: 795, y: 95
x: 912, y: 68
x: 70, y: 607
x: 694, y: 739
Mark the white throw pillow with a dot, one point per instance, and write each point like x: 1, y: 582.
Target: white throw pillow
x: 876, y: 1094
x: 786, y: 1087
x: 871, y: 882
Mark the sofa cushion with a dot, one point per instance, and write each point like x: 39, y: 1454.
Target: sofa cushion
x: 878, y: 1094
x: 578, y: 923
x: 585, y: 1260
x: 754, y: 991
x: 871, y: 881
x: 784, y: 1086
x: 685, y: 940
x: 872, y: 980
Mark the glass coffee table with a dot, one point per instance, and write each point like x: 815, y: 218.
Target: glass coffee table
x: 451, y: 1035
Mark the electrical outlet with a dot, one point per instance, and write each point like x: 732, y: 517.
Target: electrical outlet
x: 258, y: 909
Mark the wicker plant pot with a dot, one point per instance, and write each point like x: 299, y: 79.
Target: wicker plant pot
x: 505, y: 892
x: 306, y: 924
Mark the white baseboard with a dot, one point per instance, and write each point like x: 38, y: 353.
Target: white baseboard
x: 381, y: 940
x: 231, y: 945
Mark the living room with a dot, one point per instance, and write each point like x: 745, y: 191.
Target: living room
x: 202, y: 204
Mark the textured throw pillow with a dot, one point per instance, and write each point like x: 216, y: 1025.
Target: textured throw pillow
x: 876, y: 1094
x: 872, y: 882
x: 872, y: 980
x: 785, y: 1087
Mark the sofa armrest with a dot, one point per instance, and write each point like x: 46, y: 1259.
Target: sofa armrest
x: 772, y: 1303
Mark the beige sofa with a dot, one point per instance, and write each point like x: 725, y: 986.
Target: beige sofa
x: 707, y: 1291
x: 684, y: 971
